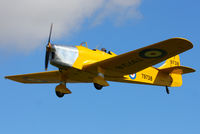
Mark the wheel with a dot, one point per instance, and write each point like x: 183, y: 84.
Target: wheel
x: 59, y: 94
x: 97, y: 86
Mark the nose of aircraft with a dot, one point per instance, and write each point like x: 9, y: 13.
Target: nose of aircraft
x: 63, y: 56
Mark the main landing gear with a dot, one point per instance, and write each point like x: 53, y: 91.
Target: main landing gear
x: 59, y: 94
x: 97, y: 86
x: 61, y: 90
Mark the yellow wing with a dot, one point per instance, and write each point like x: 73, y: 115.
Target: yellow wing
x: 71, y: 75
x: 142, y: 58
x: 41, y: 77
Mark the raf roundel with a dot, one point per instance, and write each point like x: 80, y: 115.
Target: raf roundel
x: 132, y: 76
x: 152, y: 53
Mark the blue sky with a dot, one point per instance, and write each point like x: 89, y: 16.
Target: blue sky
x: 119, y: 108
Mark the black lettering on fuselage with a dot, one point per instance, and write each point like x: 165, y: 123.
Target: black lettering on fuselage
x: 147, y: 77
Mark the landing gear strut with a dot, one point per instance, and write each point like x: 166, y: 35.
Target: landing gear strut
x: 167, y: 90
x: 97, y: 86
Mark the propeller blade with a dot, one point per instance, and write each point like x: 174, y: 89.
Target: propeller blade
x: 47, y: 59
x: 50, y: 33
x: 48, y: 49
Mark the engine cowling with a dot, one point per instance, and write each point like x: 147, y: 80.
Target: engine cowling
x: 63, y: 56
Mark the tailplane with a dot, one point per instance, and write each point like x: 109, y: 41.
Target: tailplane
x: 173, y: 67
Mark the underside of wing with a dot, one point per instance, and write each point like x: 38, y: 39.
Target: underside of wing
x: 70, y: 75
x: 142, y: 58
x: 41, y: 77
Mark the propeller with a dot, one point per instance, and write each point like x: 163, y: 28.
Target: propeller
x: 48, y: 49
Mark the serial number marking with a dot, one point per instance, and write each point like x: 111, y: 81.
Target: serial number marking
x: 128, y: 64
x: 147, y: 77
x: 173, y: 62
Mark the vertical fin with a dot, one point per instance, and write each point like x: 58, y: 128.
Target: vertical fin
x: 171, y: 62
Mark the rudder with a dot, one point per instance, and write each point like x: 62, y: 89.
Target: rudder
x: 169, y: 64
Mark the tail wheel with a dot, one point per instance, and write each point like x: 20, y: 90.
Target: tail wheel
x: 167, y: 90
x: 97, y: 86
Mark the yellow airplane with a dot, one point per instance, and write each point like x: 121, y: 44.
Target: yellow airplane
x: 79, y: 64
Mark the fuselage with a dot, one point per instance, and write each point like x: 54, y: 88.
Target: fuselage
x: 78, y: 57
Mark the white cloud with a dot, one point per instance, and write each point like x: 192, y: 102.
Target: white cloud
x: 121, y: 10
x: 25, y: 24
